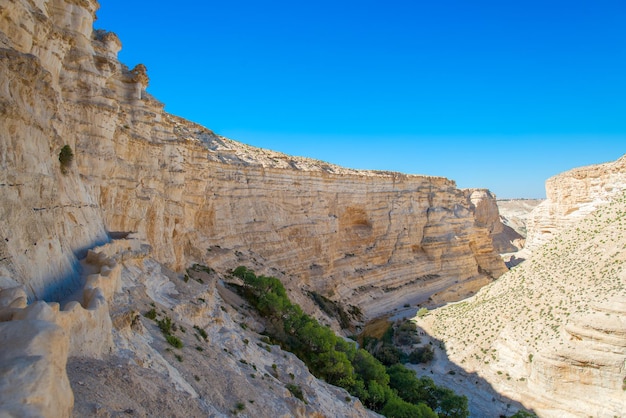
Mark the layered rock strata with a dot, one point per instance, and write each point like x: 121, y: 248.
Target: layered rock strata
x: 377, y: 239
x: 514, y: 213
x: 571, y: 196
x: 37, y: 339
x: 557, y: 343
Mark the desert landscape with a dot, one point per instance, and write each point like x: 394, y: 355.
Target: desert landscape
x: 150, y: 267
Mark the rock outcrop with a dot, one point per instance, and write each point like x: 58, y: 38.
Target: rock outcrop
x: 551, y: 332
x: 376, y: 239
x: 573, y: 195
x: 514, y: 213
x: 505, y: 239
x: 37, y: 339
x: 372, y: 239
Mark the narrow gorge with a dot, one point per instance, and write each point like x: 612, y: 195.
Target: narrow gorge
x: 362, y: 236
x: 116, y: 285
x: 91, y: 164
x: 558, y: 343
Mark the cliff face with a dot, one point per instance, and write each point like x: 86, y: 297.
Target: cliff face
x: 557, y: 343
x: 362, y: 236
x: 571, y: 196
x: 46, y: 217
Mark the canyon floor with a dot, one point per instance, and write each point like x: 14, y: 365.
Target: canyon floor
x: 532, y: 332
x: 146, y: 325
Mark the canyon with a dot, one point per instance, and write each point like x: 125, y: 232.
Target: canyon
x: 149, y: 194
x: 92, y: 245
x: 557, y: 343
x: 357, y: 235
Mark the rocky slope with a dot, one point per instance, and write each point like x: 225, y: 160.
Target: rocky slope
x: 119, y: 362
x: 374, y: 239
x: 370, y: 239
x: 551, y: 332
x: 571, y: 196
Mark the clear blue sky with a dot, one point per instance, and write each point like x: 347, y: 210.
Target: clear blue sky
x: 495, y: 94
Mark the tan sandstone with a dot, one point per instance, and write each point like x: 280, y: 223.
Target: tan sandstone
x: 370, y: 239
x: 571, y: 196
x: 551, y: 333
x: 377, y: 239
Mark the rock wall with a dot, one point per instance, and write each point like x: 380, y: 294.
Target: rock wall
x: 571, y: 196
x: 551, y: 333
x: 376, y: 239
x: 37, y: 340
x: 47, y: 217
x: 505, y: 239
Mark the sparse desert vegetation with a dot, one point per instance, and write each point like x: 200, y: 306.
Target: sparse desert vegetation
x: 571, y: 292
x: 343, y: 364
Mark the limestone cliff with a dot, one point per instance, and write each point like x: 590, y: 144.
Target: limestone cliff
x: 572, y: 195
x: 551, y: 332
x: 376, y: 239
x: 514, y: 213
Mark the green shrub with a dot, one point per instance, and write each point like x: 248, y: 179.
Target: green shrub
x: 201, y: 331
x: 174, y: 341
x: 421, y: 355
x: 151, y: 314
x: 406, y: 333
x: 388, y: 354
x: 165, y: 325
x: 66, y: 156
x: 295, y: 391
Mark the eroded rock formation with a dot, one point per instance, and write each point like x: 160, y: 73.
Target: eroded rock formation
x: 573, y: 195
x: 37, y: 339
x: 376, y: 239
x: 551, y: 332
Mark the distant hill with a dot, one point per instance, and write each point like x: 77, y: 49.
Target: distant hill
x: 514, y: 212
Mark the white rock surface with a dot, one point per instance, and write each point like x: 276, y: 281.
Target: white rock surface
x: 368, y: 237
x: 573, y: 195
x: 551, y: 333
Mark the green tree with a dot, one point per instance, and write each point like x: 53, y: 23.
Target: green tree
x: 240, y: 272
x: 377, y: 395
x: 421, y: 355
x: 370, y: 369
x: 450, y: 405
x: 398, y: 408
x: 334, y: 367
x: 411, y: 388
